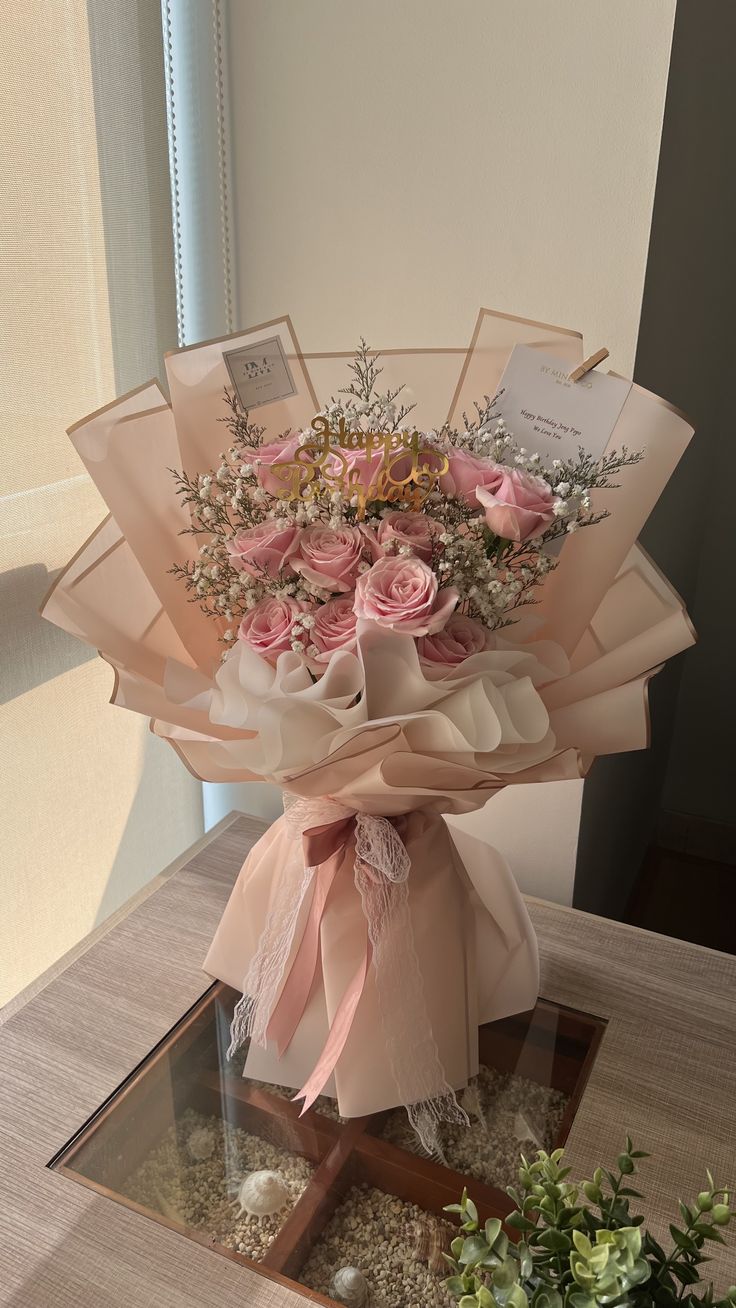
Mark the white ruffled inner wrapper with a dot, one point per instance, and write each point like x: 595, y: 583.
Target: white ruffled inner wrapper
x: 488, y: 719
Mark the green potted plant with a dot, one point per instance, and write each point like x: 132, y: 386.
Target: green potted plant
x: 580, y: 1247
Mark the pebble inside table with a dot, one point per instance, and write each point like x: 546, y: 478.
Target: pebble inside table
x: 114, y: 1060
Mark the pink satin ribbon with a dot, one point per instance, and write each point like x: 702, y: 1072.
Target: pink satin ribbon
x: 290, y: 1006
x: 324, y: 849
x: 339, y: 1032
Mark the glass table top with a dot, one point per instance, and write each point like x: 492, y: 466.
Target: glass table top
x: 189, y: 1142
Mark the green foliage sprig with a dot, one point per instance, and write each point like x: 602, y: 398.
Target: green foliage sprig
x: 581, y: 1247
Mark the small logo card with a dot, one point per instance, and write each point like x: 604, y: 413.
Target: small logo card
x: 547, y: 413
x: 260, y: 373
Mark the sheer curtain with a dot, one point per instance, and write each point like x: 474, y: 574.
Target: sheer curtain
x: 92, y: 805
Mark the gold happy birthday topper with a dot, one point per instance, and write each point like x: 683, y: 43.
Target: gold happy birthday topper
x: 396, y: 468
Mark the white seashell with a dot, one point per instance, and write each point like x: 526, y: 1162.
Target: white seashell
x: 430, y: 1240
x: 350, y: 1287
x: 262, y: 1193
x: 201, y: 1143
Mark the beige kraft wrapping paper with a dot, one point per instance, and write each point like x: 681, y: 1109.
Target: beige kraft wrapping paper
x: 562, y: 685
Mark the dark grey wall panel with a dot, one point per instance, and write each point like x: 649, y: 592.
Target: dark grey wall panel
x: 686, y: 352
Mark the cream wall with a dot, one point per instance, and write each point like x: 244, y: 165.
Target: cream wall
x: 398, y: 163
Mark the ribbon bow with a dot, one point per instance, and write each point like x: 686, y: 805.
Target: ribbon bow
x: 321, y: 831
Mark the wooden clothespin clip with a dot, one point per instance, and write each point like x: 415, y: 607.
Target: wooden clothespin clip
x: 588, y: 364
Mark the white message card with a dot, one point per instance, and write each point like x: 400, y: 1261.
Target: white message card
x: 548, y: 414
x: 260, y: 373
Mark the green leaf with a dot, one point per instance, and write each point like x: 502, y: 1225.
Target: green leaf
x: 519, y: 1223
x: 452, y: 1208
x: 474, y: 1248
x: 663, y: 1295
x: 715, y: 1235
x: 625, y: 1164
x: 492, y: 1230
x: 526, y: 1262
x: 501, y: 1246
x: 685, y: 1274
x: 682, y: 1240
x: 455, y: 1285
x: 567, y: 1216
x: 457, y: 1246
x: 471, y: 1210
x: 484, y: 1297
x: 558, y: 1241
x: 582, y: 1244
x: 685, y: 1213
x: 546, y: 1297
x: 505, y: 1276
x: 468, y: 1301
x: 517, y: 1298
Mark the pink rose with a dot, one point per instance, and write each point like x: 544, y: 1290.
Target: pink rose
x: 263, y: 550
x: 267, y: 627
x: 268, y: 455
x: 460, y: 638
x: 329, y: 556
x: 412, y: 529
x: 334, y: 627
x: 402, y: 593
x: 520, y: 507
x: 466, y: 473
x: 359, y: 465
x: 362, y: 467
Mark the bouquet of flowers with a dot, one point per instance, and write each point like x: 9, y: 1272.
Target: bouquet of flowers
x: 390, y: 618
x: 302, y: 536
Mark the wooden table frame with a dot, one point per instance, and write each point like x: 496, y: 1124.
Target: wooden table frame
x: 665, y: 1073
